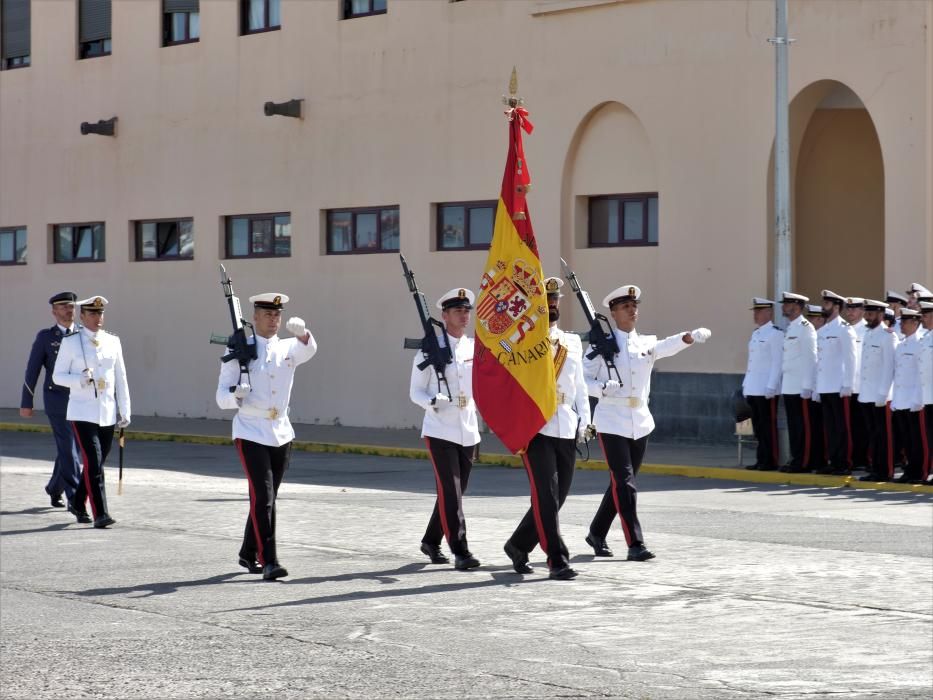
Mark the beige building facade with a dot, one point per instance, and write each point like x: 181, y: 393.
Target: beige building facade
x: 401, y: 108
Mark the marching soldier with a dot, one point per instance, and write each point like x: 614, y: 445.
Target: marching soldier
x: 907, y: 400
x: 926, y: 378
x: 762, y: 382
x: 877, y: 374
x: 798, y: 372
x: 262, y: 432
x: 551, y: 454
x: 835, y: 377
x: 450, y: 430
x: 818, y: 456
x: 622, y: 418
x: 66, y: 473
x: 854, y: 312
x: 90, y: 364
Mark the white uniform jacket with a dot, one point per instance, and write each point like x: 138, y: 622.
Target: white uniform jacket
x: 907, y: 392
x: 626, y: 412
x: 573, y: 399
x: 799, y: 357
x: 102, y: 354
x: 877, y: 365
x: 262, y: 416
x: 926, y: 368
x: 455, y: 421
x: 765, y: 351
x: 860, y: 328
x: 835, y: 357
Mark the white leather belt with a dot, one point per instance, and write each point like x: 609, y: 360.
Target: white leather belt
x: 627, y: 401
x: 268, y: 413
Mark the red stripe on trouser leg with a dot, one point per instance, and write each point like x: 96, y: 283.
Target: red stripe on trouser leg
x: 805, y: 406
x: 85, y: 472
x: 890, y: 439
x: 924, y: 444
x: 615, y: 495
x: 847, y: 412
x: 260, y: 555
x: 442, y: 511
x: 774, y: 433
x: 536, y: 507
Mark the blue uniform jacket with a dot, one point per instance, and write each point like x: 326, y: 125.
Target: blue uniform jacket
x: 43, y: 354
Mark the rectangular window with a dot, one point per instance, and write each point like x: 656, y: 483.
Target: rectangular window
x: 181, y: 22
x: 623, y: 220
x: 260, y: 16
x: 15, y: 40
x: 369, y: 230
x: 93, y: 28
x: 363, y: 8
x: 259, y: 236
x: 13, y: 246
x: 465, y: 225
x: 171, y: 239
x: 78, y: 242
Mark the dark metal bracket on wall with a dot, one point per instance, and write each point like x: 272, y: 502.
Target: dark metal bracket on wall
x: 292, y: 108
x: 105, y: 127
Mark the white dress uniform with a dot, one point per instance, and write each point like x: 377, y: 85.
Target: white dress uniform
x: 103, y: 355
x: 262, y: 416
x: 877, y: 366
x: 455, y: 421
x: 626, y: 411
x: 765, y: 358
x: 926, y: 368
x: 835, y: 377
x: 573, y: 402
x: 907, y: 406
x: 798, y: 357
x: 906, y: 391
x: 860, y: 329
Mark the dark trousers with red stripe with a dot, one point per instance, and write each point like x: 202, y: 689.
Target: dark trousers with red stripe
x: 764, y: 423
x: 819, y: 453
x: 549, y: 462
x: 94, y: 442
x: 928, y: 425
x: 857, y: 432
x: 911, y: 431
x: 265, y: 467
x: 880, y: 431
x: 624, y: 456
x: 798, y: 429
x: 836, y: 430
x: 452, y: 464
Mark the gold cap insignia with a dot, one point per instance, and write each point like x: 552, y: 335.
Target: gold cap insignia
x: 98, y: 302
x: 551, y: 286
x: 277, y: 300
x: 631, y: 291
x: 461, y: 294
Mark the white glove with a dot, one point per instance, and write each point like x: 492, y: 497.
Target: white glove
x: 296, y: 326
x: 916, y: 407
x: 88, y: 378
x: 846, y: 392
x: 770, y: 393
x: 880, y: 404
x: 815, y: 398
x: 585, y: 432
x: 806, y: 394
x: 701, y: 335
x: 440, y: 400
x: 123, y: 422
x: 611, y: 388
x: 242, y: 391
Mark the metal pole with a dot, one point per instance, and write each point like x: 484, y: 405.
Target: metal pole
x: 782, y: 232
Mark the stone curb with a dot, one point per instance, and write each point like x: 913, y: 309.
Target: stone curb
x: 513, y: 461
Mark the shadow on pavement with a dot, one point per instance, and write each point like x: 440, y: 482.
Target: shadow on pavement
x: 31, y: 531
x: 158, y: 588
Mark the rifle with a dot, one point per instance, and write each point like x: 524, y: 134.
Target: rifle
x: 436, y: 348
x: 242, y: 344
x: 601, y: 338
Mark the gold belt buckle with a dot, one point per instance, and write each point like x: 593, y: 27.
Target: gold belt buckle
x: 101, y: 384
x: 273, y: 413
x: 633, y: 402
x: 462, y: 401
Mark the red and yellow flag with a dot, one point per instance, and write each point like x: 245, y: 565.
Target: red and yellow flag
x: 513, y: 371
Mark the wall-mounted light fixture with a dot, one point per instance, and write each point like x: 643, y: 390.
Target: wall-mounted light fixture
x: 105, y: 127
x: 292, y: 108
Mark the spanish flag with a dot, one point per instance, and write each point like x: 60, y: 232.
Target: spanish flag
x: 514, y: 382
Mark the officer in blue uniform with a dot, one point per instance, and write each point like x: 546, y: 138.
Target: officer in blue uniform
x: 67, y: 471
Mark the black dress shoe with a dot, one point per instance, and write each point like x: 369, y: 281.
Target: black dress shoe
x: 600, y: 548
x: 80, y: 515
x: 752, y: 467
x: 872, y: 477
x: 767, y: 468
x: 253, y: 566
x: 639, y: 553
x: 824, y: 470
x: 57, y: 501
x: 104, y: 521
x: 518, y: 557
x: 467, y: 561
x: 434, y: 553
x: 841, y: 471
x: 564, y: 573
x: 795, y: 470
x: 273, y: 570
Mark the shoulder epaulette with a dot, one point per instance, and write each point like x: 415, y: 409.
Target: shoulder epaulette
x: 777, y: 328
x: 804, y: 322
x: 844, y: 323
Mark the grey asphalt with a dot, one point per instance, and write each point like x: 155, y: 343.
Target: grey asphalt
x: 757, y: 591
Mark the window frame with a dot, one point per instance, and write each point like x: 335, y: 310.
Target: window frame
x: 348, y: 12
x: 270, y: 216
x: 138, y: 233
x: 166, y: 25
x: 103, y: 242
x: 355, y: 212
x: 15, y: 230
x: 82, y: 55
x: 467, y: 205
x: 244, y: 18
x: 642, y: 242
x: 9, y: 66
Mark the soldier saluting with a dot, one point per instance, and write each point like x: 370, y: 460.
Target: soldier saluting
x: 261, y: 429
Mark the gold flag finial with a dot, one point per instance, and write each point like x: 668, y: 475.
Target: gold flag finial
x: 512, y: 100
x: 513, y: 82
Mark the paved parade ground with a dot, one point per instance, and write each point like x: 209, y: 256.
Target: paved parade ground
x: 758, y: 590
